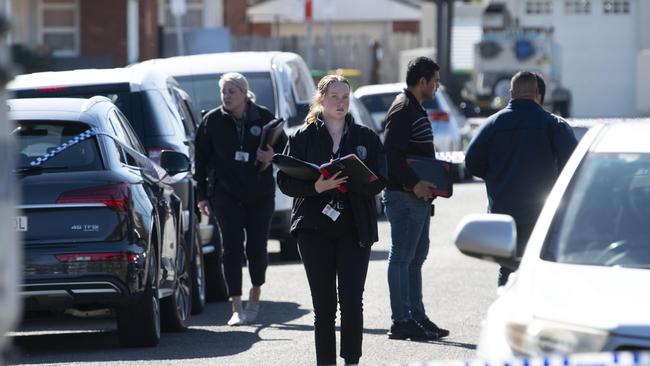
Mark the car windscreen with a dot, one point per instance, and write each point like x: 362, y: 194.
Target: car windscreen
x: 36, y: 138
x: 205, y: 93
x: 604, y: 215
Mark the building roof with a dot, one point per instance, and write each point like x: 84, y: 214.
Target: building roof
x: 293, y: 11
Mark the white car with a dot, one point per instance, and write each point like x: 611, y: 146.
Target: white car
x: 582, y: 282
x: 281, y: 82
x: 446, y: 120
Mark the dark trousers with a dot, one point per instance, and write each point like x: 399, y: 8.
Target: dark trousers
x: 523, y: 234
x: 325, y: 259
x: 238, y: 222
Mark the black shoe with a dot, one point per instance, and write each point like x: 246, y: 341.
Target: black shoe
x: 412, y: 330
x: 432, y: 327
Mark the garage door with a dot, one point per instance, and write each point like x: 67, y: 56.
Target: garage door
x: 598, y: 48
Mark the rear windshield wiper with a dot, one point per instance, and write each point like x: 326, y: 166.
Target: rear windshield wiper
x: 37, y: 169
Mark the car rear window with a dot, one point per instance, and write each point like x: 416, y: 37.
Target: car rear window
x: 36, y: 138
x: 204, y: 89
x: 145, y: 110
x: 376, y: 103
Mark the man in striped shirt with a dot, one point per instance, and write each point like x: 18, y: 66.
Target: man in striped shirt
x: 408, y: 202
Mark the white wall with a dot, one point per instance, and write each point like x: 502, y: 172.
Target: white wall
x: 371, y: 29
x: 598, y: 57
x: 643, y: 83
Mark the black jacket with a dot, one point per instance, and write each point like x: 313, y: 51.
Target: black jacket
x: 408, y: 132
x: 519, y: 152
x: 313, y: 143
x: 217, y: 171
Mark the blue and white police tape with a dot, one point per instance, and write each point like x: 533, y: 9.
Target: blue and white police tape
x: 585, y: 359
x: 454, y: 157
x: 66, y: 145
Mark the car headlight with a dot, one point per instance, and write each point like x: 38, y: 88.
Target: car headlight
x: 542, y: 337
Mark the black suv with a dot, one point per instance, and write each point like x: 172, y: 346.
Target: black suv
x: 159, y: 114
x: 101, y: 224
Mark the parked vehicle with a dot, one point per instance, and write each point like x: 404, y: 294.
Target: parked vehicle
x: 281, y: 82
x: 361, y: 115
x: 101, y: 223
x: 580, y: 284
x: 447, y: 122
x: 156, y: 108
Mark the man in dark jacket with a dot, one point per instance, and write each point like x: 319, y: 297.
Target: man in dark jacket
x: 408, y: 202
x: 519, y: 152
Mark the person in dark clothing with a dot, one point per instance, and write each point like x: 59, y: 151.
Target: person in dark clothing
x: 408, y: 202
x: 519, y: 152
x: 335, y: 228
x: 232, y: 185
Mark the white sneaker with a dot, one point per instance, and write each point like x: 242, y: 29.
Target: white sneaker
x: 237, y: 319
x: 251, y: 310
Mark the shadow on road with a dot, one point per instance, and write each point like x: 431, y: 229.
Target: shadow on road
x: 208, y: 337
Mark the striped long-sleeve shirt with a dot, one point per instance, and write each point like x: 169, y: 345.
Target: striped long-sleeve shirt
x: 408, y: 132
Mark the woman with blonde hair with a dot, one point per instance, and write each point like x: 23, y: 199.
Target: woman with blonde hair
x: 335, y: 227
x: 231, y: 185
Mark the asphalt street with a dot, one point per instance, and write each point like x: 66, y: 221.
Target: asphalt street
x: 457, y: 291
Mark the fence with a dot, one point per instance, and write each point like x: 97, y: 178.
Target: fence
x: 347, y: 52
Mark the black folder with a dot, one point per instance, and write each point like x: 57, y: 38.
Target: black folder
x: 350, y: 166
x: 271, y: 132
x: 432, y: 170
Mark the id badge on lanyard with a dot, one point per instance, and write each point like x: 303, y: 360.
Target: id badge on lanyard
x: 241, y: 155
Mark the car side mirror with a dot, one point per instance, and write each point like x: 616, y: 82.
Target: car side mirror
x: 491, y: 237
x: 174, y: 162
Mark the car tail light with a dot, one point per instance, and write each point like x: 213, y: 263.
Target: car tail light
x: 154, y: 152
x: 115, y: 196
x: 438, y: 116
x: 96, y: 257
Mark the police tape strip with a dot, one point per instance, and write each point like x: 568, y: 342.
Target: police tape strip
x: 454, y: 157
x: 585, y: 359
x: 66, y: 145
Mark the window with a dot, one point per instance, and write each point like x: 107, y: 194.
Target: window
x: 36, y: 138
x: 59, y: 26
x: 577, y: 6
x: 538, y: 7
x: 616, y: 6
x: 193, y: 18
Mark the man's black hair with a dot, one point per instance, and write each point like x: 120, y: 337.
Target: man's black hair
x: 421, y: 67
x: 541, y: 87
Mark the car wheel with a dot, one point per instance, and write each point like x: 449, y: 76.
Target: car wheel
x: 197, y: 268
x: 138, y: 325
x: 176, y: 309
x: 289, y: 249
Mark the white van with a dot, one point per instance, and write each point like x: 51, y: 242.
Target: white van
x: 281, y: 82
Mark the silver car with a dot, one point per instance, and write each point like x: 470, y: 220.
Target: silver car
x: 446, y: 120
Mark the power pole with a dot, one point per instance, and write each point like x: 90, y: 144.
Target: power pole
x: 444, y: 23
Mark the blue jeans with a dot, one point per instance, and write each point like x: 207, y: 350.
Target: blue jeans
x: 409, y: 219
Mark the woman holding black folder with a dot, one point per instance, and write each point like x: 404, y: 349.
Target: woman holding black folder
x: 335, y: 224
x: 235, y: 184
